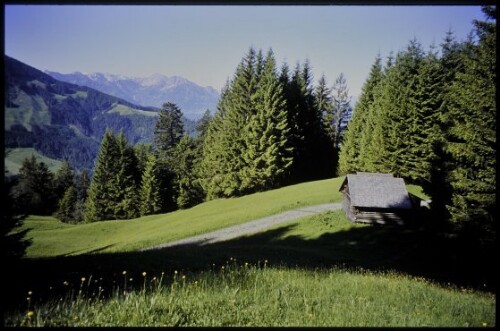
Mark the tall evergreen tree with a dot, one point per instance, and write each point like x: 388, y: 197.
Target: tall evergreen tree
x: 64, y: 178
x: 126, y: 181
x: 168, y: 128
x: 438, y: 188
x: 150, y: 202
x: 168, y: 132
x: 471, y: 131
x: 341, y: 107
x: 101, y: 195
x: 186, y: 155
x: 323, y: 101
x: 358, y: 131
x: 34, y: 193
x: 245, y: 150
x: 202, y: 125
x: 267, y: 158
x: 401, y: 110
x: 67, y: 205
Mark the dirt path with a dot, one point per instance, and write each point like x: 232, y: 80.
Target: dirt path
x: 249, y: 227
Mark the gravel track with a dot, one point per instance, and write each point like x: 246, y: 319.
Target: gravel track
x: 248, y: 228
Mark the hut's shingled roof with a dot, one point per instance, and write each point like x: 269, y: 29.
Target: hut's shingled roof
x: 378, y: 191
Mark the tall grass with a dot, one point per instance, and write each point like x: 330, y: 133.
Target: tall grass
x: 240, y: 294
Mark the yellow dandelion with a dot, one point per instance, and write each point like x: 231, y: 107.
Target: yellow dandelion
x: 29, y: 314
x: 83, y: 279
x: 144, y: 274
x: 124, y: 272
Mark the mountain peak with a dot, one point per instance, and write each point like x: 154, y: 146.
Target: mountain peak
x: 153, y: 90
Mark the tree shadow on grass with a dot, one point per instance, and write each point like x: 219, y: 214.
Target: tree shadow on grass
x: 410, y: 250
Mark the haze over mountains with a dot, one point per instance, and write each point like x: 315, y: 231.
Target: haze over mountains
x: 153, y: 90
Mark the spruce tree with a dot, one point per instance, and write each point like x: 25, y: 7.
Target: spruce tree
x: 168, y: 132
x: 125, y: 183
x: 67, y: 205
x: 401, y: 110
x: 34, y: 192
x: 245, y: 149
x: 150, y: 202
x: 341, y: 107
x: 225, y: 143
x: 168, y: 128
x: 64, y: 178
x: 323, y: 102
x: 101, y: 195
x: 358, y: 131
x: 471, y: 131
x: 267, y: 158
x: 190, y: 192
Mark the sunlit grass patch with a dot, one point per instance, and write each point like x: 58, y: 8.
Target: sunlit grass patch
x: 240, y: 293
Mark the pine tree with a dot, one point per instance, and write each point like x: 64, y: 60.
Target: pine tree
x: 67, y: 205
x: 471, y: 131
x: 323, y: 101
x: 34, y: 192
x: 82, y: 185
x: 341, y: 107
x: 150, y: 202
x: 359, y: 130
x: 401, y: 110
x: 438, y: 188
x: 190, y: 192
x: 245, y: 148
x: 223, y: 147
x: 64, y: 178
x: 202, y: 126
x: 267, y: 158
x: 125, y: 181
x: 101, y: 195
x: 142, y: 152
x: 168, y: 128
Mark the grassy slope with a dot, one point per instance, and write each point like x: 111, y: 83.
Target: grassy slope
x: 290, y: 290
x: 52, y: 238
x: 16, y: 156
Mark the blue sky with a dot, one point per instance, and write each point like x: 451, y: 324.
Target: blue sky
x: 205, y: 43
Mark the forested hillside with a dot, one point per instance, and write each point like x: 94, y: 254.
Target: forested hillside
x: 430, y: 117
x: 66, y: 121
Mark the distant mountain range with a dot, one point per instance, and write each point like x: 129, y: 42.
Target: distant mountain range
x: 154, y: 90
x: 67, y: 121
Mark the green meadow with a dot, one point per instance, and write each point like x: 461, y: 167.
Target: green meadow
x: 320, y: 270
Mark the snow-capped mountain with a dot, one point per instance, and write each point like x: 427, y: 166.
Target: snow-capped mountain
x: 153, y: 90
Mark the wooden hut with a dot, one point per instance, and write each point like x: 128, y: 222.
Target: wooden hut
x: 375, y: 198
